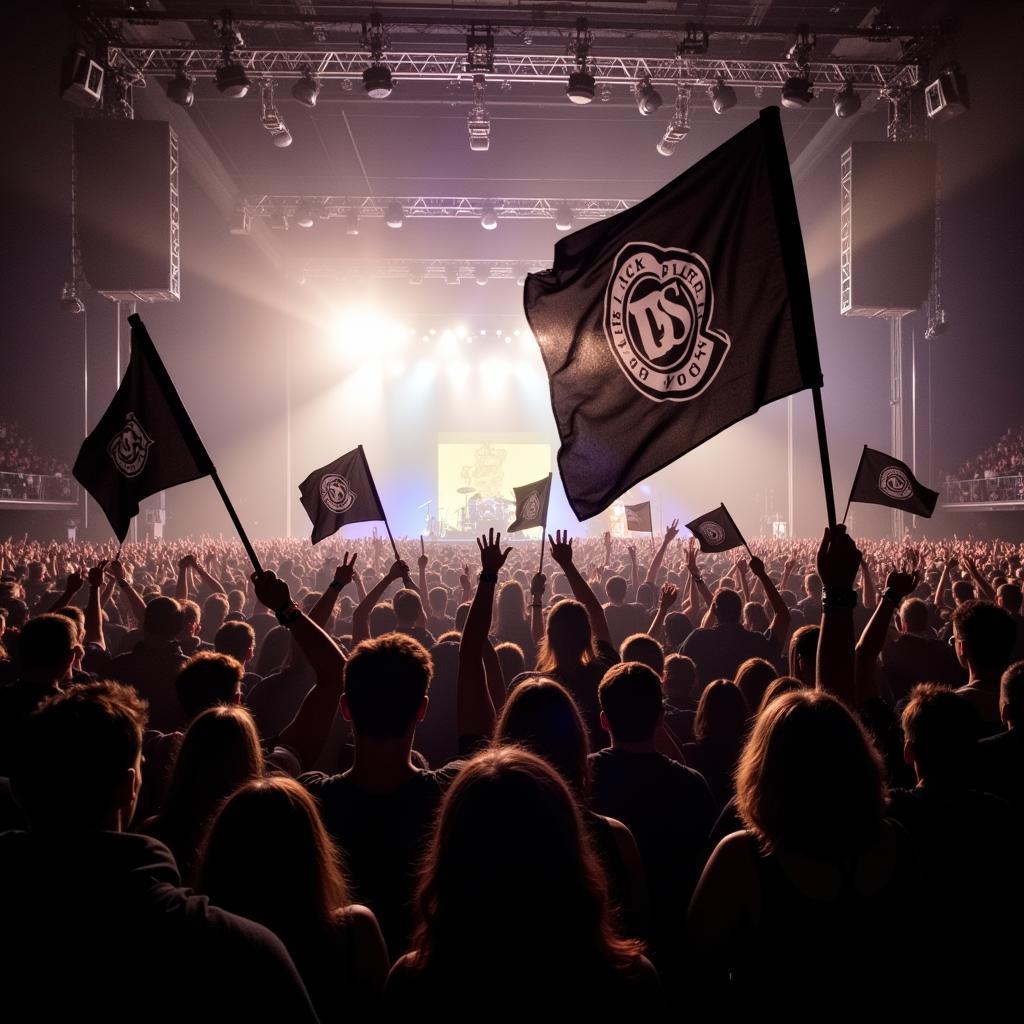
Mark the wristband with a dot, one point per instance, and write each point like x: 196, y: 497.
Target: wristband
x: 891, y: 597
x: 697, y: 579
x: 536, y: 606
x: 336, y: 585
x: 839, y: 597
x: 288, y: 613
x: 488, y: 577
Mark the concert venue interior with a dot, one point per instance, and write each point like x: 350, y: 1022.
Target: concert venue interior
x: 338, y: 224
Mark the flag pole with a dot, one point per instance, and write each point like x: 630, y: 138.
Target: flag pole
x: 239, y: 529
x: 544, y: 528
x: 853, y: 486
x: 721, y: 505
x: 380, y: 504
x: 826, y: 465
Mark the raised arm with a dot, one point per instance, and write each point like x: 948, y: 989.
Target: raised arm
x: 634, y: 571
x: 868, y: 592
x: 940, y: 587
x: 308, y: 731
x: 421, y: 564
x: 779, y: 626
x: 211, y: 581
x: 669, y: 594
x: 321, y: 612
x: 73, y: 585
x: 837, y: 562
x: 181, y: 586
x: 93, y: 616
x: 898, y: 585
x: 985, y: 589
x: 361, y: 616
x: 537, y: 587
x: 475, y: 714
x: 561, y: 552
x: 135, y: 603
x: 671, y: 533
x: 787, y: 572
x: 694, y: 571
x: 740, y: 575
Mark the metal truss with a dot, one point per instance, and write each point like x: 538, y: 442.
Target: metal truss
x: 279, y: 208
x: 509, y: 67
x: 416, y: 271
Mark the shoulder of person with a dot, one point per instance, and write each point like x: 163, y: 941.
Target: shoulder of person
x: 735, y: 859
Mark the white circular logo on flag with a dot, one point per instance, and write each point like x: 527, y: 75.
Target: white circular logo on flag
x: 130, y: 448
x: 711, y: 532
x: 531, y: 510
x: 894, y: 483
x: 336, y: 494
x: 657, y: 315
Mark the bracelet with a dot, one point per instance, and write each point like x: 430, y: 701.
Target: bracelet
x: 288, y: 613
x: 536, y: 606
x: 697, y: 579
x: 839, y: 597
x: 488, y: 577
x: 893, y: 599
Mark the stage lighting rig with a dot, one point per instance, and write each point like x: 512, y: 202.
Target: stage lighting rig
x: 648, y: 99
x: 694, y: 42
x: 306, y: 89
x: 352, y: 223
x: 270, y: 117
x: 394, y: 216
x: 563, y: 218
x: 480, y: 51
x: 946, y: 96
x: 303, y: 216
x: 230, y: 77
x: 797, y: 90
x: 723, y: 96
x: 846, y: 101
x: 377, y: 79
x: 478, y: 124
x: 181, y: 88
x: 580, y: 89
x: 679, y: 127
x: 488, y: 219
x: 81, y: 79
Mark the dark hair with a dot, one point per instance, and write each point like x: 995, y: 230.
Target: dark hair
x: 631, y: 698
x: 722, y: 712
x: 511, y: 607
x: 1010, y: 597
x: 407, y: 605
x: 914, y: 615
x: 809, y: 780
x: 753, y: 677
x: 615, y: 588
x: 511, y: 659
x: 803, y: 644
x: 1011, y: 693
x: 643, y: 648
x: 541, y: 715
x: 206, y: 680
x: 77, y: 616
x: 942, y: 727
x: 681, y: 673
x: 382, y: 619
x: 72, y: 753
x: 777, y: 687
x: 275, y: 651
x: 677, y: 628
x: 728, y: 605
x: 46, y: 642
x: 568, y: 639
x: 235, y: 638
x: 988, y: 633
x: 163, y: 618
x: 386, y: 680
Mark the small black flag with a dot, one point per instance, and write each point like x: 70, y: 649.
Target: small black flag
x: 144, y: 442
x: 531, y: 505
x: 716, y: 531
x: 883, y: 480
x: 665, y: 324
x: 340, y: 493
x: 638, y: 517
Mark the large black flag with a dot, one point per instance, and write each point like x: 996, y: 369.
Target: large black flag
x: 667, y: 323
x: 638, y: 517
x: 716, y: 531
x: 144, y: 442
x: 342, y: 492
x: 883, y: 480
x: 531, y: 505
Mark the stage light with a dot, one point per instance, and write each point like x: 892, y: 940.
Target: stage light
x: 282, y: 138
x: 352, y: 223
x: 563, y: 218
x: 797, y: 92
x: 489, y: 218
x: 306, y: 89
x: 394, y: 217
x: 179, y: 89
x: 304, y: 217
x: 232, y: 80
x: 946, y: 97
x: 482, y: 275
x: 581, y: 87
x: 508, y: 340
x: 377, y: 81
x: 81, y: 79
x: 723, y: 97
x: 648, y: 99
x: 846, y: 101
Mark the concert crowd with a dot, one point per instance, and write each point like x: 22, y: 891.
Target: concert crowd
x: 643, y: 783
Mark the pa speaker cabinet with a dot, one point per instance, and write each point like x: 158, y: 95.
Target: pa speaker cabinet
x: 887, y: 227
x: 126, y: 208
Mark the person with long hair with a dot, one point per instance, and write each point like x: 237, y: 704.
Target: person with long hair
x: 513, y: 625
x: 267, y: 857
x: 513, y: 910
x: 790, y: 913
x: 719, y: 729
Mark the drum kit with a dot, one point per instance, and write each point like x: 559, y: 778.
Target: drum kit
x: 479, y: 513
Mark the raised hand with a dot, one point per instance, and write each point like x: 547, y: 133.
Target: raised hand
x: 691, y: 557
x: 492, y: 558
x: 75, y: 582
x: 96, y: 574
x: 632, y: 552
x: 422, y: 562
x: 271, y: 591
x: 837, y: 559
x: 671, y: 532
x: 669, y: 595
x: 538, y: 585
x: 741, y: 564
x: 116, y: 569
x: 902, y: 584
x: 399, y: 570
x: 343, y: 573
x: 464, y: 581
x: 756, y: 566
x: 561, y: 548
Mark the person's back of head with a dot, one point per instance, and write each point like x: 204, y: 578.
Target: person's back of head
x: 680, y: 678
x: 268, y: 857
x: 755, y: 618
x: 914, y: 616
x: 461, y: 614
x: 753, y: 677
x: 645, y: 595
x: 47, y: 646
x: 191, y: 617
x: 632, y: 703
x: 237, y: 639
x: 1010, y: 597
x: 163, y: 619
x: 568, y: 640
x: 962, y: 590
x: 986, y: 634
x: 386, y: 684
x: 644, y: 648
x: 722, y: 713
x: 939, y: 733
x: 439, y: 601
x: 677, y: 628
x: 236, y: 601
x: 511, y: 604
x: 803, y: 653
x: 77, y: 759
x: 728, y: 606
x: 77, y: 616
x: 511, y: 659
x: 206, y: 680
x: 215, y: 610
x: 382, y: 619
x: 275, y: 651
x: 407, y: 606
x: 616, y: 589
x: 812, y: 585
x: 541, y: 715
x: 1011, y: 695
x: 809, y: 781
x: 779, y: 686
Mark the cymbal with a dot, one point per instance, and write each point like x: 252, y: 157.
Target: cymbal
x: 467, y: 490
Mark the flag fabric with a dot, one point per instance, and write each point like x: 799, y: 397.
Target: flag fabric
x: 716, y: 531
x: 144, y: 442
x: 665, y: 324
x: 531, y: 505
x: 883, y: 480
x: 638, y: 517
x: 340, y: 493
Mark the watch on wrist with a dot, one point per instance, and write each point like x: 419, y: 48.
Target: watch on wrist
x: 288, y: 613
x: 839, y: 597
x: 488, y: 577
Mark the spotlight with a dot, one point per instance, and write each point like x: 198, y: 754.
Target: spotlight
x: 306, y: 89
x: 304, y: 217
x: 648, y: 99
x: 581, y: 87
x: 479, y: 127
x: 563, y: 218
x: 723, y: 97
x: 946, y: 96
x: 282, y: 139
x: 231, y: 80
x: 679, y: 127
x: 488, y: 219
x: 70, y: 301
x: 521, y: 280
x: 377, y: 81
x: 179, y: 89
x: 394, y: 216
x: 846, y: 101
x: 352, y: 223
x: 81, y: 79
x: 482, y: 275
x: 797, y: 92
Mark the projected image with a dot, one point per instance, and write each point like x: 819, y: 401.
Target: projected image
x: 475, y: 481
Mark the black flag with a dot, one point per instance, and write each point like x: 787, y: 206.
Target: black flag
x: 638, y: 517
x: 145, y: 441
x: 531, y: 505
x: 883, y: 480
x: 342, y: 492
x: 716, y: 531
x: 667, y: 323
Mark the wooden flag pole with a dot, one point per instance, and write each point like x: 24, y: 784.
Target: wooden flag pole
x: 249, y: 549
x: 826, y: 466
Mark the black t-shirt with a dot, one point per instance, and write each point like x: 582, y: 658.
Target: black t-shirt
x: 910, y: 659
x: 719, y: 650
